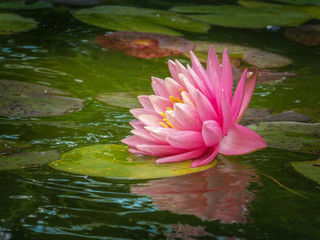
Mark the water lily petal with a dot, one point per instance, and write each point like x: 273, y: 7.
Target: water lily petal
x: 226, y: 75
x: 145, y: 102
x: 150, y: 120
x: 133, y: 141
x: 185, y: 139
x: 204, y: 107
x: 240, y: 140
x: 187, y: 84
x: 186, y: 99
x: 173, y: 70
x: 187, y: 117
x: 207, y: 157
x: 159, y: 87
x: 213, y: 65
x: 238, y: 97
x: 137, y: 124
x: 160, y: 150
x: 173, y: 88
x: 145, y: 134
x: 200, y: 83
x: 160, y: 132
x: 211, y: 132
x: 136, y: 112
x: 248, y: 91
x: 226, y: 113
x: 171, y: 116
x: 160, y: 104
x: 183, y: 156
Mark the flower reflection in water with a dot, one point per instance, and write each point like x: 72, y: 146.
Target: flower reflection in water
x: 219, y: 193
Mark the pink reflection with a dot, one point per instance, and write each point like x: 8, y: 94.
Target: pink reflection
x: 219, y: 193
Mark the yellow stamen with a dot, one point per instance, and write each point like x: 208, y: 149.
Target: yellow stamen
x: 169, y: 108
x: 175, y: 100
x: 163, y: 124
x: 163, y: 114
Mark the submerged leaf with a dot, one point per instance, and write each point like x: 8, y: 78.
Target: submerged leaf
x: 293, y: 136
x: 21, y: 99
x: 253, y: 56
x: 145, y: 45
x: 309, y: 169
x: 112, y: 160
x: 308, y: 35
x: 12, y: 23
x: 122, y: 18
x: 121, y: 99
x: 28, y: 159
x: 11, y: 146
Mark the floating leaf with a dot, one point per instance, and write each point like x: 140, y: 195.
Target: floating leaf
x: 11, y: 146
x: 13, y: 23
x: 237, y: 16
x: 253, y: 56
x: 312, y: 11
x: 112, y: 160
x: 293, y: 136
x: 309, y: 169
x: 255, y: 115
x: 75, y: 2
x: 121, y: 99
x: 145, y: 45
x: 218, y: 193
x: 28, y: 159
x: 288, y: 116
x: 24, y: 6
x: 122, y: 18
x: 300, y: 2
x: 20, y: 99
x: 308, y: 35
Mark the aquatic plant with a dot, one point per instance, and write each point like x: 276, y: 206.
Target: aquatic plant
x: 193, y: 115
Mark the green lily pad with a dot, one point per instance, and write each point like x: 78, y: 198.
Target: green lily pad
x: 122, y: 18
x: 12, y: 23
x: 253, y: 56
x: 22, y: 5
x: 21, y: 99
x: 308, y: 35
x: 293, y: 136
x: 241, y: 17
x: 309, y: 169
x: 28, y: 159
x: 114, y: 160
x: 121, y: 99
x: 11, y: 146
x: 298, y: 2
x: 312, y: 10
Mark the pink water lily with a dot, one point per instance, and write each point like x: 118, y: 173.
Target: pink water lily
x: 193, y: 115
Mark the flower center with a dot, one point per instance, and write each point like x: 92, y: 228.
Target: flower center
x: 165, y: 122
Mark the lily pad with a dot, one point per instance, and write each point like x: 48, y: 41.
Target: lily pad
x: 121, y: 99
x: 75, y: 2
x: 253, y: 56
x: 309, y: 169
x: 122, y: 18
x: 241, y: 17
x: 28, y: 159
x: 11, y: 146
x: 299, y: 2
x: 17, y: 5
x: 12, y: 23
x: 312, y: 10
x: 293, y: 136
x: 308, y: 35
x: 113, y: 160
x: 21, y: 99
x: 145, y: 45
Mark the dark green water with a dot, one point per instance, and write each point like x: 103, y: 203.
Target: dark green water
x: 232, y: 201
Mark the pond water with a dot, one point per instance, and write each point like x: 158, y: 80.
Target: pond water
x: 238, y: 199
